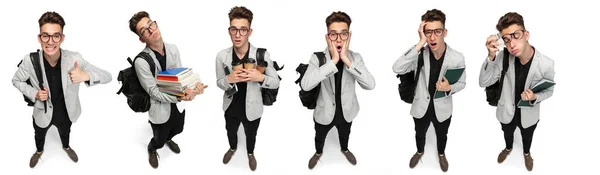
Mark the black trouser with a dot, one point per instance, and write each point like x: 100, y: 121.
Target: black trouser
x: 64, y: 130
x: 526, y: 133
x: 441, y: 131
x: 232, y: 123
x: 321, y: 131
x: 166, y: 131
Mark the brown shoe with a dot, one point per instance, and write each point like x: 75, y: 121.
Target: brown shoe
x: 228, y: 155
x: 173, y: 146
x: 34, y: 159
x: 415, y: 159
x: 528, y: 161
x: 443, y: 162
x: 313, y: 161
x: 153, y: 159
x: 502, y: 156
x: 350, y: 157
x: 252, y: 162
x: 71, y: 154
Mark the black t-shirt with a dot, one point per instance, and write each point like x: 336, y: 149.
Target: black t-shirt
x: 162, y: 59
x: 54, y: 78
x: 237, y: 108
x: 521, y: 72
x: 339, y: 114
x: 435, y: 67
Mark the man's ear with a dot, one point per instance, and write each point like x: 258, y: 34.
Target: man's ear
x: 526, y: 35
x: 141, y: 40
x: 250, y: 32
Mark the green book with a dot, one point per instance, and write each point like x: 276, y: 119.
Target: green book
x: 539, y: 87
x: 452, y: 75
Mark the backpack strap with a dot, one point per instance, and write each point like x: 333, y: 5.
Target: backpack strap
x: 321, y: 57
x: 260, y: 55
x: 35, y: 61
x: 419, y: 64
x: 148, y: 59
x: 505, y: 57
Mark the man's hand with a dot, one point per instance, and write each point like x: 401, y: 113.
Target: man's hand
x: 42, y: 95
x: 344, y: 53
x: 77, y: 75
x: 199, y: 88
x: 335, y: 56
x: 254, y: 75
x: 443, y: 85
x: 492, y: 47
x: 238, y: 76
x: 528, y: 95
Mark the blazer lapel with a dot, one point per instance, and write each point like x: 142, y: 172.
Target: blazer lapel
x: 426, y: 66
x: 156, y: 63
x: 534, y: 65
x: 64, y: 71
x: 445, y: 63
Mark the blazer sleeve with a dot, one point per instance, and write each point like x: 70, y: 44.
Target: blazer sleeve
x: 315, y: 74
x: 359, y: 71
x: 148, y: 82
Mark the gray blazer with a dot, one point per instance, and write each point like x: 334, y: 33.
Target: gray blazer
x: 70, y: 90
x: 254, y: 103
x: 324, y: 75
x: 542, y: 67
x: 443, y: 106
x: 160, y: 103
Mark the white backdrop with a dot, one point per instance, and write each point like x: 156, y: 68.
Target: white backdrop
x: 110, y: 138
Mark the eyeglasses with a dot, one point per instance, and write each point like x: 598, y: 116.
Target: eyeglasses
x: 438, y: 32
x: 515, y: 35
x: 45, y: 37
x: 152, y: 26
x: 242, y: 31
x: 334, y: 36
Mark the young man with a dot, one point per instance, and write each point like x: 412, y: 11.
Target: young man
x: 337, y: 104
x: 437, y: 58
x: 62, y: 72
x: 244, y: 106
x: 526, y: 67
x: 167, y: 112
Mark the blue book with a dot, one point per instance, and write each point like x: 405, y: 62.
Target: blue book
x: 174, y: 72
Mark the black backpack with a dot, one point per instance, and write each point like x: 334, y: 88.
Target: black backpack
x: 137, y: 98
x: 309, y: 98
x: 494, y: 91
x: 35, y: 61
x: 269, y: 96
x: 408, y: 81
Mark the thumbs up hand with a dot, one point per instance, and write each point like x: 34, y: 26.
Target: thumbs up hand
x: 77, y: 75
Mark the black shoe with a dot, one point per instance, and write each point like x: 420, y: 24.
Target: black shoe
x: 34, y: 159
x: 153, y: 159
x: 173, y: 146
x: 71, y: 154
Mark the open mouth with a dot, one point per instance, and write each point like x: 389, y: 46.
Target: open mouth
x: 339, y: 48
x: 433, y: 45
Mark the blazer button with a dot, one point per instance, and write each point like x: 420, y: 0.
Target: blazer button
x: 427, y: 98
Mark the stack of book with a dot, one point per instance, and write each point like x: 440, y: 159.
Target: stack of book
x: 175, y: 81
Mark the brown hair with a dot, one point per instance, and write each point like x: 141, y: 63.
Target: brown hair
x: 434, y: 15
x: 52, y: 18
x: 509, y: 19
x: 240, y: 13
x: 338, y: 17
x: 136, y: 18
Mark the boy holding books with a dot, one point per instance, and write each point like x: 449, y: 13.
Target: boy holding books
x: 526, y: 67
x: 426, y: 107
x: 167, y: 113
